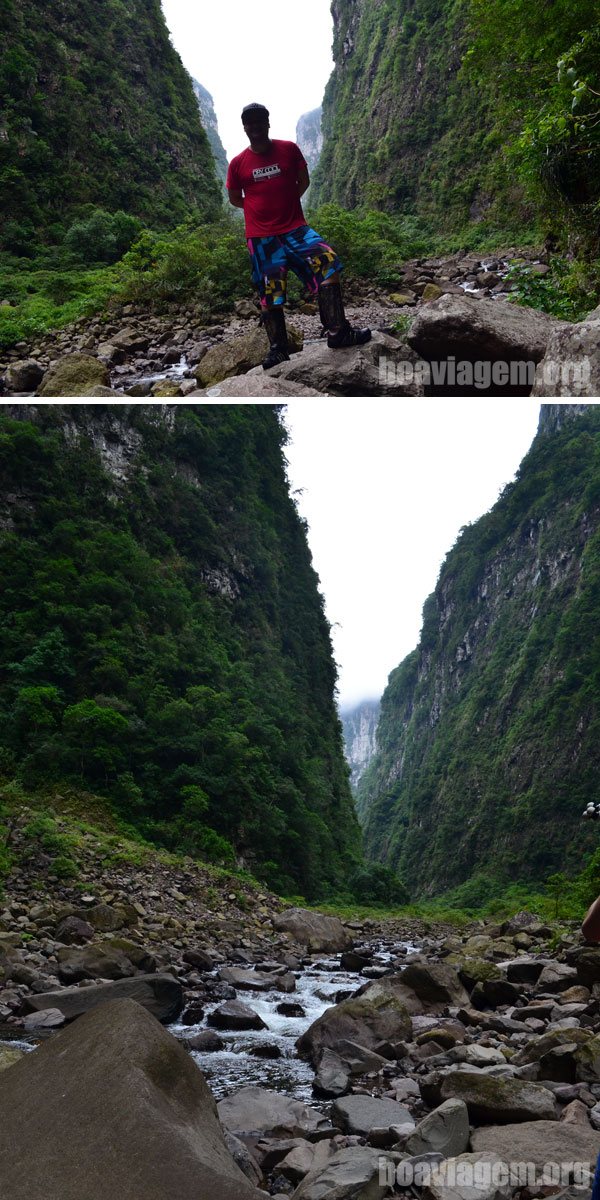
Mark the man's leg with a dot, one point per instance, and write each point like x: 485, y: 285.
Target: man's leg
x: 333, y: 317
x: 269, y: 272
x: 274, y: 322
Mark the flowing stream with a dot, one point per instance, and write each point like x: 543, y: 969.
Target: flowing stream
x: 235, y: 1067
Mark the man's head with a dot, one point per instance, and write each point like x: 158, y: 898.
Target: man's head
x: 255, y: 119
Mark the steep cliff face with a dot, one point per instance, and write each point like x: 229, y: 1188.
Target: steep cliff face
x: 96, y: 110
x: 488, y: 741
x: 162, y: 637
x: 401, y: 131
x: 360, y: 728
x: 309, y: 137
x: 211, y: 125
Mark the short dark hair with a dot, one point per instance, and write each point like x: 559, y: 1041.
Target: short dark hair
x: 254, y: 108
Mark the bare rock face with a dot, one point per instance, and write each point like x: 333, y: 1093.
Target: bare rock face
x: 571, y: 365
x: 120, y: 1110
x: 475, y: 329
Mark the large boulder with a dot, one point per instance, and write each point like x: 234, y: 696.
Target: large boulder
x: 238, y: 355
x: 314, y: 930
x: 571, y: 365
x: 259, y: 1110
x: 114, y: 1107
x: 74, y: 375
x: 434, y: 983
x: 486, y: 330
x: 368, y: 1021
x: 586, y: 960
x: 384, y: 366
x: 352, y: 1174
x: 539, y: 1142
x: 494, y: 1100
x: 534, y: 1050
x: 467, y: 1177
x: 161, y: 995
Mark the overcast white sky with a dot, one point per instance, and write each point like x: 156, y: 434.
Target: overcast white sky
x: 279, y: 56
x: 387, y: 486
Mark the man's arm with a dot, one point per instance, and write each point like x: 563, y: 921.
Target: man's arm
x: 591, y: 924
x: 236, y: 197
x: 303, y: 180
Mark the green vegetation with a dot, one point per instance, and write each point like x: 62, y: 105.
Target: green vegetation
x: 96, y: 110
x: 485, y: 113
x: 163, y: 641
x: 496, y: 716
x: 570, y: 289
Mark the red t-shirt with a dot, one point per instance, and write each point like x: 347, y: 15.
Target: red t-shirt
x: 270, y: 186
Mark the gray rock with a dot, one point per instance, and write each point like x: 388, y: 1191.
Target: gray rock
x: 24, y: 376
x: 161, y: 995
x: 314, y: 930
x: 361, y: 1114
x: 444, y: 1131
x: 539, y: 1142
x: 333, y: 1077
x: 198, y: 958
x: 47, y: 1018
x: 206, y: 1041
x: 259, y: 1110
x: 356, y: 371
x: 120, y: 1110
x: 446, y: 1181
x: 556, y: 977
x: 362, y: 1019
x: 73, y: 931
x: 257, y: 981
x: 499, y: 1100
x: 257, y: 383
x: 92, y: 962
x: 352, y: 1174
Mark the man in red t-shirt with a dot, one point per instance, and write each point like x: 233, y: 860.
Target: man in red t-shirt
x: 267, y: 181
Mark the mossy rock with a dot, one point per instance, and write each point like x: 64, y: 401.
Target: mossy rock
x: 238, y: 355
x: 9, y: 1057
x: 74, y: 375
x: 474, y: 970
x: 587, y: 1057
x: 537, y: 1047
x: 165, y: 387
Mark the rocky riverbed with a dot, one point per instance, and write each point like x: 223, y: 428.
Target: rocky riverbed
x: 339, y: 1052
x: 130, y: 351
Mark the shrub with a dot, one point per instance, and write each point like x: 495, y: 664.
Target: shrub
x: 102, y: 237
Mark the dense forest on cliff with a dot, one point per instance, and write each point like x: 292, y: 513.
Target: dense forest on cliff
x: 486, y: 111
x: 489, y: 736
x: 163, y: 641
x: 96, y: 111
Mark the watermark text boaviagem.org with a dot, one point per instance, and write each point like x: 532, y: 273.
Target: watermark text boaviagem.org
x: 485, y: 373
x: 484, y: 1174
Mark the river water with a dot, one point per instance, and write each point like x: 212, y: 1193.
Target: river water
x: 317, y: 988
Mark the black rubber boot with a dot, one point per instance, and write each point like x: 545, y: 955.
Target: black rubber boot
x: 333, y: 316
x: 274, y: 323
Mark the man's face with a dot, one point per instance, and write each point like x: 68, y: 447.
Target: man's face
x: 256, y: 125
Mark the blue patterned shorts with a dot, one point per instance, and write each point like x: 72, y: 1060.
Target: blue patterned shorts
x: 311, y: 259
